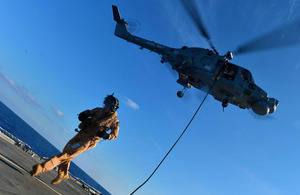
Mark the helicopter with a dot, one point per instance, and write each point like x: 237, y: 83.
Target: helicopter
x: 206, y: 69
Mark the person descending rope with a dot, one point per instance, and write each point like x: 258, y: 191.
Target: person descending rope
x: 94, y: 126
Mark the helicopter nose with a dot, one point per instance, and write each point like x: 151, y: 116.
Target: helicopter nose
x: 261, y: 108
x: 265, y: 107
x: 273, y: 103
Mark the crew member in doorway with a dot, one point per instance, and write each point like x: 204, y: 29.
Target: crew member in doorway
x: 95, y: 125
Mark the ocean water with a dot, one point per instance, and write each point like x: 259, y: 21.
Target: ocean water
x: 19, y: 128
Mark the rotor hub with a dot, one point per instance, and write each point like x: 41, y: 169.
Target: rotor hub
x: 229, y: 55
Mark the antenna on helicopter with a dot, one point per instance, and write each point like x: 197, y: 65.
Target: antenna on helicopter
x: 191, y: 9
x: 229, y: 55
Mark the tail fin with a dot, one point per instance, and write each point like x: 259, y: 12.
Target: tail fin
x: 121, y: 27
x: 116, y: 13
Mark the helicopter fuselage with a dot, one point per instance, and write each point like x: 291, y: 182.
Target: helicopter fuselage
x: 207, y: 71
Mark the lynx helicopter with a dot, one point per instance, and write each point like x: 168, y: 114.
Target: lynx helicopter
x: 205, y: 69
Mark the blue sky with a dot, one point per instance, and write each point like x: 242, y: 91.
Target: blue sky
x: 58, y: 58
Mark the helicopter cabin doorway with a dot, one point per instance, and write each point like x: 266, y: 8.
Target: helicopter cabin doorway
x: 229, y: 71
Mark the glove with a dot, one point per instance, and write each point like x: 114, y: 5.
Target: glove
x: 82, y: 116
x: 103, y: 134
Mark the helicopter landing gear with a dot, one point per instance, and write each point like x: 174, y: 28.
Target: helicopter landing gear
x: 224, y: 103
x: 181, y: 93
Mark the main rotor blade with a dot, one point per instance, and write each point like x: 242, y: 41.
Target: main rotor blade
x: 284, y: 36
x: 194, y: 13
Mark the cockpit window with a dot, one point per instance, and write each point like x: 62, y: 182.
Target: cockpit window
x: 246, y: 75
x: 251, y: 78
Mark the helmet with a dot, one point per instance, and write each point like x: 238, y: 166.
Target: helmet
x: 111, y: 102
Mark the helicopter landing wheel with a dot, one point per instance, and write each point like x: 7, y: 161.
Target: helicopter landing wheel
x: 180, y: 94
x: 225, y: 103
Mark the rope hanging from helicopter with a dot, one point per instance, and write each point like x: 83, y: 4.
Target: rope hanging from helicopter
x: 176, y: 140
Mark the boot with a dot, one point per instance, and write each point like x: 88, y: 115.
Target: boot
x: 58, y: 179
x: 36, y: 169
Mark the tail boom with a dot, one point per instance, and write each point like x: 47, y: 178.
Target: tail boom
x: 122, y: 32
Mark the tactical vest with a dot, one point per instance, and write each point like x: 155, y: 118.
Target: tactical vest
x: 97, y: 120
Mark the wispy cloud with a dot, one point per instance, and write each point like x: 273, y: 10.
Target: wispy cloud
x: 25, y: 94
x: 132, y: 104
x: 57, y: 112
x: 67, y: 132
x: 293, y: 4
x: 22, y: 91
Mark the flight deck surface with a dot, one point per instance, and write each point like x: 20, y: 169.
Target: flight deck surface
x: 15, y: 178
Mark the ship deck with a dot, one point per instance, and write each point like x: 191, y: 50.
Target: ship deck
x: 15, y: 165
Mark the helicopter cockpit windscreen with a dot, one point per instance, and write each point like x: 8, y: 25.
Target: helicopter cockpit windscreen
x: 246, y: 75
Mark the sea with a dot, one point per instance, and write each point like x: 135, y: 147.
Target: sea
x: 12, y: 123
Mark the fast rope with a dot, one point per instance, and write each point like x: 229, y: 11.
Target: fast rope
x: 173, y: 144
